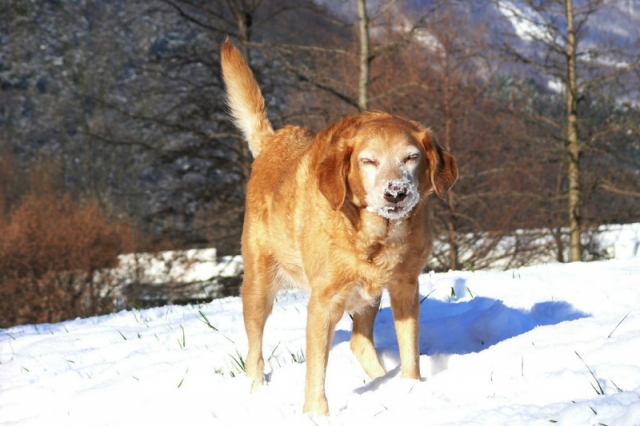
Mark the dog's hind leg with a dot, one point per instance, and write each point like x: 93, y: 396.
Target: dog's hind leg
x: 362, y: 340
x: 258, y: 292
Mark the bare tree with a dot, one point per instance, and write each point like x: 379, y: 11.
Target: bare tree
x: 365, y: 60
x: 327, y: 64
x: 554, y: 32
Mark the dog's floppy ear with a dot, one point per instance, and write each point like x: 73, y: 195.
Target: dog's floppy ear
x: 443, y: 170
x: 332, y: 175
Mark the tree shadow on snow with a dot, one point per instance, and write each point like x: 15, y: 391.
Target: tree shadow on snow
x: 462, y: 327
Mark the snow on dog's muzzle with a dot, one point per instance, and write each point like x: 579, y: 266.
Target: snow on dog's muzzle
x: 396, y: 190
x: 399, y: 197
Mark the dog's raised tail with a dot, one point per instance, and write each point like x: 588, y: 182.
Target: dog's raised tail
x: 244, y: 98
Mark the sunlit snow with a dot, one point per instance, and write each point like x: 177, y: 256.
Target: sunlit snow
x: 536, y: 345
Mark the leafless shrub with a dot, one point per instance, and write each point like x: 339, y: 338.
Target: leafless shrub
x: 50, y: 249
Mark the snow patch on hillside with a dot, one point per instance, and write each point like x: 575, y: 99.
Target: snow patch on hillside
x: 525, y: 21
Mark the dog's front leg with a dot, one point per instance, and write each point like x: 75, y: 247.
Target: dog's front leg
x: 406, y: 311
x: 323, y: 313
x: 362, y: 340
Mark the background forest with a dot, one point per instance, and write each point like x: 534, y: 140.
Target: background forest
x: 114, y: 136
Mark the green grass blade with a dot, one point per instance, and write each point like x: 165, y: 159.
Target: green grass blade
x: 273, y: 351
x: 206, y: 320
x: 599, y: 391
x: 427, y: 296
x: 616, y: 327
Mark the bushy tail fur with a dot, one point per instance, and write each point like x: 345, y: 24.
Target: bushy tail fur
x: 244, y: 98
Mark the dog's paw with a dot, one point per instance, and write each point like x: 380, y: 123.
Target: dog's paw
x: 316, y: 407
x: 323, y: 420
x: 256, y: 384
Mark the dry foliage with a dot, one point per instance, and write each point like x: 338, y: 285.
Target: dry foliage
x: 50, y: 249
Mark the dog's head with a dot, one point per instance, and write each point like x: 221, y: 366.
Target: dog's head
x: 382, y: 163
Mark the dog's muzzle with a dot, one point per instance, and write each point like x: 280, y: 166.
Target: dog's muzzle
x: 399, y: 197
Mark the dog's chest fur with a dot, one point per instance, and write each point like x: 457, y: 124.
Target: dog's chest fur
x: 379, y: 240
x: 381, y: 249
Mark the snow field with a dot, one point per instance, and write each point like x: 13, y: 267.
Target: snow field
x: 535, y: 345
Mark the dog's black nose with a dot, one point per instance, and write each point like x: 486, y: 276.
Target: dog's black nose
x: 395, y: 193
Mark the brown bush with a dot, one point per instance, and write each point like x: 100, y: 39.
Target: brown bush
x: 50, y: 249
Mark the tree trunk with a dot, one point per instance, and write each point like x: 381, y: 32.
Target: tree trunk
x: 363, y: 83
x: 244, y: 20
x: 452, y: 232
x: 572, y: 145
x: 557, y: 236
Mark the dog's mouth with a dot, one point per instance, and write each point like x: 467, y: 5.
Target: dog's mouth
x: 394, y: 209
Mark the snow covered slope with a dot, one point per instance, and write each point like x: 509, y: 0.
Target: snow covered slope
x: 553, y: 343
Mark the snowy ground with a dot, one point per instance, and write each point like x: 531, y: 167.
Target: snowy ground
x: 509, y: 348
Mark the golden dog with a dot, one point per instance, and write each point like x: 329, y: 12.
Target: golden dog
x: 343, y: 213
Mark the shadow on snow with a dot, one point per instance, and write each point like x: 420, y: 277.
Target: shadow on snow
x: 462, y: 327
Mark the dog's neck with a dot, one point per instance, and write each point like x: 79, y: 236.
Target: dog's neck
x: 372, y: 233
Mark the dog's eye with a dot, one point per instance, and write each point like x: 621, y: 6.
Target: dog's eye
x: 368, y: 161
x: 412, y: 157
